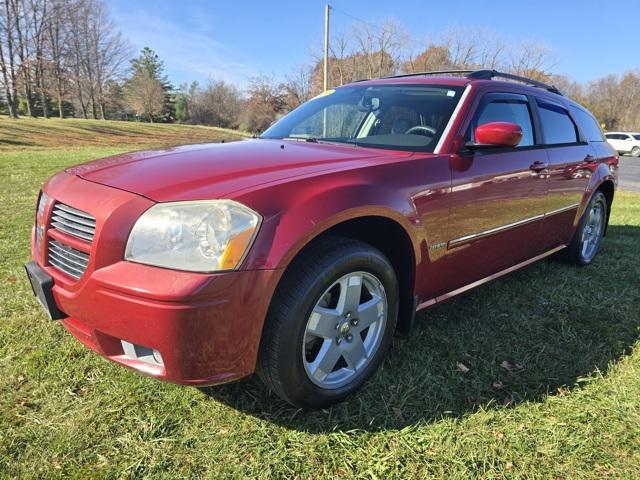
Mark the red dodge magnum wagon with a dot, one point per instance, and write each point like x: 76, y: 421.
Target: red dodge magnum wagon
x: 298, y: 254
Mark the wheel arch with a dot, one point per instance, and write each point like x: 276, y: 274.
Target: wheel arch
x: 388, y: 235
x: 607, y: 187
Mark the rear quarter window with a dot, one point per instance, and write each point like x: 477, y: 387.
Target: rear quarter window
x: 588, y: 125
x: 557, y: 126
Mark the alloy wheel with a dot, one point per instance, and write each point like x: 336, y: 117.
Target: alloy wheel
x: 344, y: 330
x: 592, y: 232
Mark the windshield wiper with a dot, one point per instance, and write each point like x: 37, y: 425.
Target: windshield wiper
x: 303, y: 139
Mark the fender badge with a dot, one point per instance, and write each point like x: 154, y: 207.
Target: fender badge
x: 438, y: 245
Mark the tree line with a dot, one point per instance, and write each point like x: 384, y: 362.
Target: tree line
x: 66, y: 58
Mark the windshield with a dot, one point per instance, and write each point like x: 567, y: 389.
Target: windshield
x: 403, y: 117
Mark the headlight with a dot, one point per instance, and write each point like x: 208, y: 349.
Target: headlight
x: 42, y: 204
x: 199, y: 236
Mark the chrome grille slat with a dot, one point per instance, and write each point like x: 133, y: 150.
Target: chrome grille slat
x: 74, y: 211
x: 73, y: 272
x: 73, y: 225
x: 73, y: 221
x: 72, y: 231
x: 75, y: 218
x: 81, y: 256
x: 75, y: 263
x: 65, y: 267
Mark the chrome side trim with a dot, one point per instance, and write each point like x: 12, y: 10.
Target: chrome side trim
x: 456, y: 242
x: 492, y: 231
x: 489, y: 278
x: 563, y: 209
x: 452, y: 119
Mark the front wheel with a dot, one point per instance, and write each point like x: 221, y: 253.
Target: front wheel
x: 330, y: 323
x: 588, y: 237
x: 635, y: 152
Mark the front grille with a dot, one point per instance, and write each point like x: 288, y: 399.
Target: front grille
x: 69, y: 260
x: 73, y: 221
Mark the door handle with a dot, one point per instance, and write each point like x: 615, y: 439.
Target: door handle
x: 538, y: 166
x: 590, y: 159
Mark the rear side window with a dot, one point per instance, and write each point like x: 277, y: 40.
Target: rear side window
x: 587, y: 124
x: 509, y: 109
x: 557, y: 126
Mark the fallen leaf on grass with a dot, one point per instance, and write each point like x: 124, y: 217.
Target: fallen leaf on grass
x: 508, y: 401
x: 461, y: 367
x: 498, y: 385
x: 398, y: 413
x: 507, y: 365
x: 510, y: 367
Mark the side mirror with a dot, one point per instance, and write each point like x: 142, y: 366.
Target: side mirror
x: 496, y: 134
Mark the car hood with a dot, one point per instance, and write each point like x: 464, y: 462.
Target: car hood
x: 218, y: 170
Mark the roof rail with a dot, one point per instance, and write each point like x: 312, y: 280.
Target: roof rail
x: 484, y: 75
x: 436, y: 72
x: 489, y: 74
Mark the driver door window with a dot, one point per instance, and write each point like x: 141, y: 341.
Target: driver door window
x: 506, y: 108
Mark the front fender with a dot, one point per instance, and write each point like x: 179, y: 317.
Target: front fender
x: 300, y: 212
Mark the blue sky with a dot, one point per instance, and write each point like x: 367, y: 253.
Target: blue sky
x: 232, y: 40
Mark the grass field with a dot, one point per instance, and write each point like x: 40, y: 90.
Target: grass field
x: 534, y: 376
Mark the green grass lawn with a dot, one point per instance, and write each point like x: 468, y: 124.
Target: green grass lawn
x: 536, y: 375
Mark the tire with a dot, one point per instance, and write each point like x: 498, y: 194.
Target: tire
x: 635, y: 152
x: 308, y: 323
x: 590, y: 230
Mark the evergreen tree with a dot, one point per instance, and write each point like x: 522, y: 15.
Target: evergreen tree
x: 147, y: 79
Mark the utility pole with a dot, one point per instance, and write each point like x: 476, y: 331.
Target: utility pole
x: 327, y: 7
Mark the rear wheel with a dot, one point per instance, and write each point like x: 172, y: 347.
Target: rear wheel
x: 635, y: 152
x: 330, y: 323
x: 588, y: 237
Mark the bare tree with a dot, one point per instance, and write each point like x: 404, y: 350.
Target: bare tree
x: 298, y: 87
x: 531, y: 59
x: 218, y: 104
x: 146, y: 95
x: 39, y: 18
x: 8, y: 57
x: 57, y: 39
x: 266, y: 101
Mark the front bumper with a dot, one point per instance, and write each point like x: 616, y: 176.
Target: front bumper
x: 207, y: 337
x: 205, y: 327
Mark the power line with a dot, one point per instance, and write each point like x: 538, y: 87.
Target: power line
x: 376, y: 27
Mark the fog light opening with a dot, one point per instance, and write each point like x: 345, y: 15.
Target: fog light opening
x: 139, y: 352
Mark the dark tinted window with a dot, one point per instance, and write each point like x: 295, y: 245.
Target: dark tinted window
x: 636, y: 136
x: 587, y: 124
x: 611, y: 136
x: 557, y: 126
x: 508, y: 110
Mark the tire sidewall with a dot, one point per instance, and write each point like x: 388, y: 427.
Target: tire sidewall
x: 299, y: 386
x: 597, y: 197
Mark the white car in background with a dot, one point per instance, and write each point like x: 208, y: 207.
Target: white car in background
x: 625, y: 142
